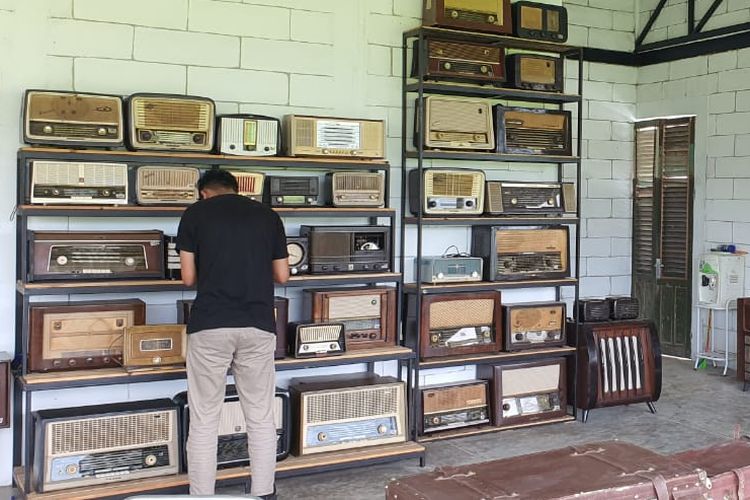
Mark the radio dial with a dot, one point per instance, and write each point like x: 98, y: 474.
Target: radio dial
x: 62, y: 260
x: 382, y: 429
x: 47, y: 129
x: 71, y: 469
x: 101, y: 131
x: 322, y: 436
x: 447, y: 65
x: 150, y: 460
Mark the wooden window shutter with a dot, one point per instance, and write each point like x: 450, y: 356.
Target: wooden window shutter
x: 646, y: 138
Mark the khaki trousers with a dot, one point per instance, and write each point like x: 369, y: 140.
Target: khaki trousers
x: 249, y: 352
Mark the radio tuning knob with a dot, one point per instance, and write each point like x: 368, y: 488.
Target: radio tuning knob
x: 120, y: 323
x: 434, y: 338
x: 322, y: 436
x: 486, y: 52
x: 325, y: 152
x: 89, y: 360
x: 129, y: 261
x: 56, y: 192
x: 72, y: 362
x: 71, y: 469
x: 474, y: 274
x: 333, y: 346
x: 440, y: 275
x: 150, y: 460
x: 293, y: 270
x: 447, y: 65
x: 435, y: 420
x: 484, y: 69
x: 382, y: 429
x: 454, y: 14
x: 310, y: 200
x: 514, y: 201
x: 61, y: 260
x: 482, y: 416
x: 47, y: 129
x: 105, y: 192
x: 519, y: 336
x: 305, y: 347
x: 101, y: 131
x: 156, y: 360
x: 432, y: 204
x: 373, y: 197
x: 506, y: 407
x: 279, y: 199
x: 56, y: 325
x: 491, y: 19
x: 551, y: 201
x: 198, y: 138
x: 57, y: 363
x: 469, y: 203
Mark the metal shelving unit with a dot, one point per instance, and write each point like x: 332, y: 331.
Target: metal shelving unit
x: 27, y: 383
x: 416, y: 89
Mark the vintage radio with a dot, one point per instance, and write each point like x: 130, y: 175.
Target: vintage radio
x: 72, y: 119
x: 172, y: 265
x: 619, y: 363
x: 454, y: 324
x: 525, y: 393
x: 444, y: 269
x: 79, y: 183
x: 367, y: 313
x: 357, y: 189
x: 250, y: 184
x: 522, y: 254
x: 743, y: 341
x: 170, y: 122
x: 311, y: 340
x: 453, y: 406
x: 588, y: 310
x: 533, y: 131
x: 528, y: 198
x: 96, y: 445
x: 248, y: 135
x: 532, y: 325
x: 299, y: 191
x: 86, y: 255
x: 154, y: 345
x: 540, y: 21
x: 80, y: 335
x: 280, y: 315
x: 447, y: 191
x: 535, y: 72
x: 461, y: 61
x: 492, y: 16
x: 341, y: 249
x: 296, y: 247
x: 6, y: 359
x: 455, y: 123
x: 624, y: 308
x: 232, y: 447
x: 327, y: 136
x: 167, y: 185
x: 340, y: 412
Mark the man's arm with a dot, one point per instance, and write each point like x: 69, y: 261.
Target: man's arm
x: 280, y: 270
x: 188, y: 270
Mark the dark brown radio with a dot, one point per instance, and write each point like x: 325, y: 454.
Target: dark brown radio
x: 72, y: 119
x: 533, y: 325
x: 453, y: 406
x: 533, y: 131
x: 522, y: 254
x: 5, y: 360
x: 526, y: 198
x: 299, y: 255
x: 171, y: 122
x: 624, y: 308
x: 154, y: 345
x: 619, y: 363
x: 461, y: 61
x: 368, y: 313
x: 298, y: 191
x: 280, y: 314
x: 589, y: 310
x: 346, y: 249
x: 535, y: 72
x: 493, y: 16
x: 743, y: 341
x: 80, y: 335
x: 540, y: 21
x: 88, y: 255
x: 526, y: 393
x: 453, y: 324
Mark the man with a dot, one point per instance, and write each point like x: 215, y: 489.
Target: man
x: 234, y: 249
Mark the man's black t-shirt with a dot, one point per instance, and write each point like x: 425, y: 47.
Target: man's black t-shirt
x: 234, y: 240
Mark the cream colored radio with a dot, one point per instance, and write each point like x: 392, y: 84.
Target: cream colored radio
x: 334, y: 137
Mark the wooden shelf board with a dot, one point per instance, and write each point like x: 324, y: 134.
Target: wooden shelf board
x: 491, y: 221
x: 486, y: 429
x: 165, y: 211
x: 484, y: 285
x: 491, y: 156
x: 289, y: 467
x: 467, y: 89
x: 478, y: 359
x: 498, y: 39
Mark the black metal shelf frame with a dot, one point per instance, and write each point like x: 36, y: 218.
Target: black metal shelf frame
x: 421, y: 88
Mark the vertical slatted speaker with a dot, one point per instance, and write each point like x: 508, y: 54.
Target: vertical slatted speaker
x: 743, y: 341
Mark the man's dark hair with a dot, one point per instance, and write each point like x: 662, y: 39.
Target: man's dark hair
x: 218, y: 179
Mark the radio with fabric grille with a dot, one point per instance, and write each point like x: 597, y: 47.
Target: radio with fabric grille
x: 492, y: 16
x: 454, y: 406
x: 72, y: 119
x: 526, y: 392
x: 80, y: 335
x: 540, y: 21
x: 532, y: 325
x: 154, y: 345
x: 624, y: 308
x: 458, y: 323
x: 340, y: 412
x: 357, y: 189
x: 344, y: 249
x: 535, y: 72
x: 455, y: 123
x: 528, y: 198
x: 334, y: 137
x: 86, y: 255
x: 447, y: 191
x: 446, y: 269
x: 533, y: 131
x: 96, y: 445
x: 250, y: 184
x: 232, y: 433
x: 310, y: 340
x: 367, y: 313
x: 167, y: 185
x: 296, y: 247
x: 590, y: 310
x: 461, y: 61
x: 298, y: 191
x: 79, y: 183
x: 171, y: 122
x: 521, y: 254
x: 248, y: 135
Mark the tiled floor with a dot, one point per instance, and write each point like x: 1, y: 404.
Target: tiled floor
x: 696, y: 409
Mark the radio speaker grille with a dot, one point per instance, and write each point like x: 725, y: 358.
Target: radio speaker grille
x: 531, y: 380
x: 357, y: 403
x: 458, y: 116
x: 451, y: 184
x: 71, y: 174
x: 322, y: 333
x: 103, y: 433
x: 361, y: 306
x: 304, y: 131
x: 461, y: 313
x: 172, y: 114
x: 356, y: 182
x: 167, y: 178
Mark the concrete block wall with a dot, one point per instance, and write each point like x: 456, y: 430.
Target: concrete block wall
x: 673, y: 20
x: 605, y: 24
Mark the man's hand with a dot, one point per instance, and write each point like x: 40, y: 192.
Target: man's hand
x: 188, y: 270
x: 280, y: 271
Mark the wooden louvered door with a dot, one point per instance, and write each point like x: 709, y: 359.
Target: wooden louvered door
x: 662, y: 228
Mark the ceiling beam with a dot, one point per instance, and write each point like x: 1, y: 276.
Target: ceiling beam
x: 649, y: 23
x: 707, y: 15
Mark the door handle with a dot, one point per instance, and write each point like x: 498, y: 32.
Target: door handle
x: 657, y: 268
